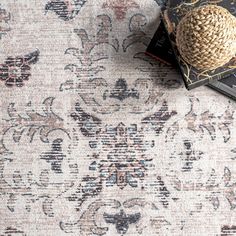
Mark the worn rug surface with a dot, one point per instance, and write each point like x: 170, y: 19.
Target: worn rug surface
x: 98, y: 139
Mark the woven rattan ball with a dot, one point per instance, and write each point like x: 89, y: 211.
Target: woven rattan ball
x: 206, y: 37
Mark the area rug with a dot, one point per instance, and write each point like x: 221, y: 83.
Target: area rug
x: 99, y: 139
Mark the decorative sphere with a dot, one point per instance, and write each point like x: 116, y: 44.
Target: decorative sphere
x: 206, y: 37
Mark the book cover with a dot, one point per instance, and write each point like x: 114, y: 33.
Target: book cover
x: 160, y: 49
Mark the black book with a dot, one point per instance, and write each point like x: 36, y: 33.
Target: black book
x: 160, y: 49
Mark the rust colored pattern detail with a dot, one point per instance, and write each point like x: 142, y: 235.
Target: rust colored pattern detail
x: 120, y: 8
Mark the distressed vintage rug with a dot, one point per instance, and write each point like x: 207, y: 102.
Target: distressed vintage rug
x: 99, y: 139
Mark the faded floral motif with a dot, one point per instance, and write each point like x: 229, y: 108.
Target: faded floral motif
x: 122, y: 222
x: 16, y: 70
x: 125, y: 163
x: 120, y: 8
x: 137, y: 97
x: 65, y: 9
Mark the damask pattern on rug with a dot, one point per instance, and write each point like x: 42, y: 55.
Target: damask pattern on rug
x: 65, y: 9
x: 120, y: 8
x: 16, y: 70
x: 97, y: 138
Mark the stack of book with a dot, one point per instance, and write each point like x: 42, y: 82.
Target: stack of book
x: 163, y: 48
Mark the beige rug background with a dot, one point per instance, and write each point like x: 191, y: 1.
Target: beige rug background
x: 99, y: 139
